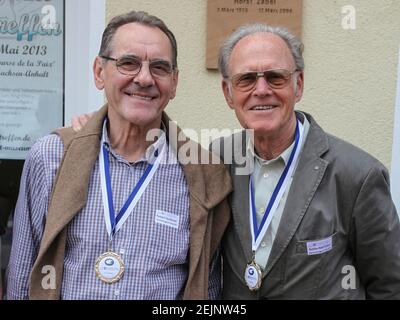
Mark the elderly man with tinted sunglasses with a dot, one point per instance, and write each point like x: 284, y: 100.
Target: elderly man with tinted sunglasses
x: 313, y: 217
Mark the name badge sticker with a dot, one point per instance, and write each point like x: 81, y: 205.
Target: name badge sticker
x: 319, y: 247
x: 167, y: 219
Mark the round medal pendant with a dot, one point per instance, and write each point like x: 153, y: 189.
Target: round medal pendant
x: 253, y: 276
x: 109, y: 267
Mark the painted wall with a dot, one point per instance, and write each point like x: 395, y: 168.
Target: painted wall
x: 350, y: 75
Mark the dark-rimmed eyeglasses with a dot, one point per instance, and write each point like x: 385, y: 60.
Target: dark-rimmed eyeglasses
x: 131, y: 66
x: 276, y: 79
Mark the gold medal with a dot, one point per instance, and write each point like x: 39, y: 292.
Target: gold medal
x: 109, y: 267
x: 253, y: 276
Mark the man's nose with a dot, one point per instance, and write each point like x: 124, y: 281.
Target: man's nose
x: 262, y: 88
x: 144, y: 78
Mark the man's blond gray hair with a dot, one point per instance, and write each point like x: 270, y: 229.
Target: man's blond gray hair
x: 295, y: 45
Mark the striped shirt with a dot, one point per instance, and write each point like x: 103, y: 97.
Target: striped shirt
x: 155, y: 253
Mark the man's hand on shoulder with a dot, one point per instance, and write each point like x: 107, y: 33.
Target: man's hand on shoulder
x: 78, y: 122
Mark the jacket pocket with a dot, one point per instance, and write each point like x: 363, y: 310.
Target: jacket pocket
x: 316, y: 246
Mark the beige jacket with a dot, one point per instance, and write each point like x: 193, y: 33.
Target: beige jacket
x: 209, y: 186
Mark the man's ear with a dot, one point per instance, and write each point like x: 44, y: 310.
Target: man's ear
x: 227, y: 93
x: 299, y: 86
x: 175, y: 77
x: 98, y: 72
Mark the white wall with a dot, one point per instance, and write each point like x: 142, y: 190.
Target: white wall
x: 395, y: 172
x: 350, y: 77
x: 85, y: 22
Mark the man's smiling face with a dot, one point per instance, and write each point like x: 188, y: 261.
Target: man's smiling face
x: 138, y: 99
x: 268, y: 111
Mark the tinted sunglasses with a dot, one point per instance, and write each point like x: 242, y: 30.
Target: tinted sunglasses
x: 276, y: 79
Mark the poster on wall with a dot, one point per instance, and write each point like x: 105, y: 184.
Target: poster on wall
x: 31, y: 73
x: 224, y: 16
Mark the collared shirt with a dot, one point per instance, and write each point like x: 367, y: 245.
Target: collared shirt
x: 265, y: 178
x: 155, y: 253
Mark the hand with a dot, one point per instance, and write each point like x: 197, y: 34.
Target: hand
x: 78, y: 122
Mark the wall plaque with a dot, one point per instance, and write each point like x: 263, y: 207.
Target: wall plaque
x: 224, y: 16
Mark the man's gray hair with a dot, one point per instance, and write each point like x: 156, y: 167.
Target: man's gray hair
x: 295, y: 45
x: 142, y: 18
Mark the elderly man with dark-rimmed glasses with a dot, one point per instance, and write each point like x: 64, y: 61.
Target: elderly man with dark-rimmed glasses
x: 106, y: 213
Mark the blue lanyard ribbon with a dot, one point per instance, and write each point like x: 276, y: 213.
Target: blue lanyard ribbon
x: 113, y: 221
x: 113, y: 218
x: 258, y: 232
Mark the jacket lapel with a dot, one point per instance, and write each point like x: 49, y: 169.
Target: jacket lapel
x: 240, y: 212
x: 70, y: 194
x: 68, y: 197
x: 309, y: 173
x: 240, y: 203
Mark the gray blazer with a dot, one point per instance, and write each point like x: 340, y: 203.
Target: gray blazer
x: 338, y: 191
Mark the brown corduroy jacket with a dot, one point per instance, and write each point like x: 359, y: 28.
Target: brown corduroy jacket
x: 209, y: 185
